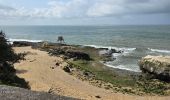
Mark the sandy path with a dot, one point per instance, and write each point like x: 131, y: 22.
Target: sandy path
x: 36, y: 69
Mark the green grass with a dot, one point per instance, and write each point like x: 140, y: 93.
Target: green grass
x: 104, y: 74
x: 121, y: 82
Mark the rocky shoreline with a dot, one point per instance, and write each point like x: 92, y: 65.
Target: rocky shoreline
x: 70, y: 52
x: 84, y: 63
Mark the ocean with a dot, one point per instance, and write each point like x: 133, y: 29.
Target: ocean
x: 136, y: 41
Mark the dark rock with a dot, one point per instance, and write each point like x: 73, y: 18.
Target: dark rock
x: 67, y: 69
x: 103, y: 48
x: 22, y: 43
x: 69, y: 53
x: 77, y: 55
x: 98, y: 96
x: 109, y: 52
x: 107, y: 55
x: 56, y: 52
x: 88, y: 74
x: 57, y: 64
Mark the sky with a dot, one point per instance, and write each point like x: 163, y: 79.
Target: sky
x: 84, y: 12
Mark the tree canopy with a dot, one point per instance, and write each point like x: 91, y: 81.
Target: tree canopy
x: 6, y: 51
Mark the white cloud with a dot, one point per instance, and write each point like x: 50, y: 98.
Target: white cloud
x: 88, y: 8
x: 103, y: 9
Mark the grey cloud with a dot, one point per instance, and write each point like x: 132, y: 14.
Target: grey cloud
x: 3, y: 7
x: 124, y: 7
x: 90, y: 8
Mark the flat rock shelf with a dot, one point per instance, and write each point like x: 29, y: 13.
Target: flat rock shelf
x: 15, y: 93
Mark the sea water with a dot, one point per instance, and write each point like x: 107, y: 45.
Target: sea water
x: 135, y: 41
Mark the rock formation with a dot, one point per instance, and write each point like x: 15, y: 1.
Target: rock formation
x: 158, y: 66
x: 70, y: 53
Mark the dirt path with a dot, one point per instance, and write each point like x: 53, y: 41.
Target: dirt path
x: 38, y: 70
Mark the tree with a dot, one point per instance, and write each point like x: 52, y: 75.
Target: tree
x: 6, y: 51
x: 7, y: 70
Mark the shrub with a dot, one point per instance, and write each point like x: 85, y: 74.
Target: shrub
x: 7, y: 58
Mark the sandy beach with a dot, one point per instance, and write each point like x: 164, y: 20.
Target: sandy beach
x: 40, y: 70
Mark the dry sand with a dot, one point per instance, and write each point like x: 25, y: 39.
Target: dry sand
x: 37, y: 70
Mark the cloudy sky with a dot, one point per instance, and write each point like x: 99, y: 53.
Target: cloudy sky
x: 84, y: 12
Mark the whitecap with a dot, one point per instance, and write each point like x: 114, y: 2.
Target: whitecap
x: 27, y: 40
x: 122, y: 67
x: 160, y: 51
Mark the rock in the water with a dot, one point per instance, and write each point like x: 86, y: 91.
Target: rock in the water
x: 158, y: 66
x: 107, y: 54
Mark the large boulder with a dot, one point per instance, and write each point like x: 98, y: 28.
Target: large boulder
x: 158, y: 66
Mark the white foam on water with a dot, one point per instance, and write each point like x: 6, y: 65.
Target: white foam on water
x: 160, y: 51
x: 115, y: 55
x: 125, y: 52
x: 111, y: 47
x: 27, y: 40
x: 122, y: 67
x: 97, y: 46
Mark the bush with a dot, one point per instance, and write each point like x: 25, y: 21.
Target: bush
x: 6, y: 51
x: 7, y: 58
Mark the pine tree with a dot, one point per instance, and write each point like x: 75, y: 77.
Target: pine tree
x: 7, y: 70
x: 6, y: 51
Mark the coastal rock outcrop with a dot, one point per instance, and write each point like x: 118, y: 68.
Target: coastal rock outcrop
x: 69, y: 53
x: 107, y: 54
x: 158, y: 66
x: 22, y: 43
